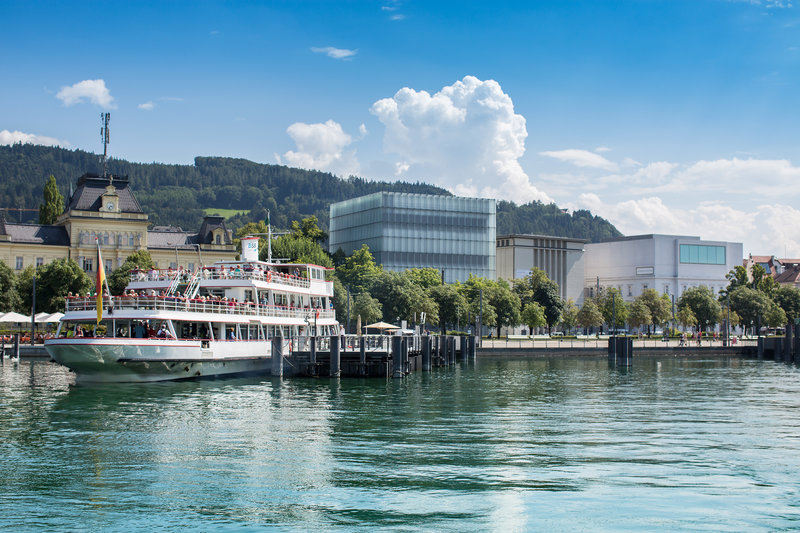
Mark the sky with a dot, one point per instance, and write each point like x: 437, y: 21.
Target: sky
x: 663, y: 116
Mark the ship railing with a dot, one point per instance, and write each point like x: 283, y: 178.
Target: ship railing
x: 220, y: 273
x: 201, y: 305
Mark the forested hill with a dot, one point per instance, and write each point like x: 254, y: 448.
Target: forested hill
x: 178, y: 194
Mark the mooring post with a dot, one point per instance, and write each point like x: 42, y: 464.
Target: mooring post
x: 362, y: 356
x: 462, y: 340
x: 787, y: 345
x: 3, y: 352
x: 426, y: 353
x: 16, y: 345
x: 473, y: 348
x: 313, y: 351
x: 451, y: 350
x: 404, y: 351
x: 335, y: 357
x: 760, y: 348
x: 277, y: 356
x: 397, y: 356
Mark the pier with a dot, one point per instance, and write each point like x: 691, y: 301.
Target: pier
x: 369, y: 355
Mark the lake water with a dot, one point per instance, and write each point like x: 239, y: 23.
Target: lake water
x: 673, y: 443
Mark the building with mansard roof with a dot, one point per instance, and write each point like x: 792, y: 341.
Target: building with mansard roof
x: 106, y: 209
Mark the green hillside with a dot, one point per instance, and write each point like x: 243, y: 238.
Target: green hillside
x: 180, y: 194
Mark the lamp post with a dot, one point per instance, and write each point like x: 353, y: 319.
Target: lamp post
x: 33, y: 310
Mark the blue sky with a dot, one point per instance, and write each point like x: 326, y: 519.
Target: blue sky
x: 662, y: 116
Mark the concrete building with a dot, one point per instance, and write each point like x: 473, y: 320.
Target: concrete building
x: 561, y: 258
x: 108, y: 210
x: 668, y: 263
x: 402, y: 230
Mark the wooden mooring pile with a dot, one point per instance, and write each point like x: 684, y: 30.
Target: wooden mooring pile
x: 369, y: 355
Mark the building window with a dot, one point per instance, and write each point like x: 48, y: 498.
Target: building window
x: 173, y: 265
x: 190, y: 266
x: 698, y: 254
x: 19, y: 263
x: 109, y: 265
x: 88, y: 264
x: 666, y: 289
x: 105, y: 239
x: 39, y: 261
x: 630, y: 290
x: 218, y: 239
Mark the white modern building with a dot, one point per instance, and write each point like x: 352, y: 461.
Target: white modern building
x: 561, y: 258
x: 668, y: 263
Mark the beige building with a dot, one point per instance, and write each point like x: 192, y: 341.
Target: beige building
x: 106, y: 209
x: 561, y: 258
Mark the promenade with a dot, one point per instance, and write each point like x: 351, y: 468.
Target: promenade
x: 601, y: 343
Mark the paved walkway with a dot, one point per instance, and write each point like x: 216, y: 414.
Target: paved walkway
x: 602, y: 342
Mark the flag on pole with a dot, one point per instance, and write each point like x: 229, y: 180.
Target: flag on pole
x: 101, y: 280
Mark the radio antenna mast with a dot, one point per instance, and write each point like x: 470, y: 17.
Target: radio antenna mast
x: 105, y: 134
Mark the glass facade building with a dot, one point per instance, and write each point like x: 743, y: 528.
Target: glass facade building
x: 404, y: 230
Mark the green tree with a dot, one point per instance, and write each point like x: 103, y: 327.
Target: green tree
x: 569, y: 316
x: 477, y: 291
x: 9, y: 297
x: 53, y: 282
x: 359, y: 271
x: 612, y: 306
x: 589, y: 315
x: 763, y: 280
x: 53, y: 204
x: 533, y: 316
x: 296, y: 249
x: 659, y: 306
x: 704, y: 306
x: 750, y: 304
x: 775, y: 317
x: 120, y: 277
x: 506, y: 304
x: 309, y: 229
x: 789, y: 300
x: 424, y: 277
x: 685, y: 317
x: 537, y: 287
x: 639, y: 314
x: 340, y: 301
x: 453, y: 305
x: 368, y: 307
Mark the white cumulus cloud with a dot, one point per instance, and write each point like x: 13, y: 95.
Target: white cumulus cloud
x: 14, y: 137
x: 147, y: 106
x: 335, y: 53
x: 321, y: 146
x: 466, y: 138
x: 581, y: 158
x: 94, y: 91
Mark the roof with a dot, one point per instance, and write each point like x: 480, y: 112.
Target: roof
x: 35, y: 234
x: 790, y: 275
x: 169, y: 237
x: 91, y: 187
x: 210, y: 223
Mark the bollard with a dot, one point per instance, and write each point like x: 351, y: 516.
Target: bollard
x: 16, y: 346
x: 362, y: 357
x: 426, y: 353
x: 397, y: 357
x: 313, y: 351
x: 277, y: 356
x: 464, y: 349
x: 404, y: 351
x: 761, y: 348
x: 787, y: 345
x: 335, y: 368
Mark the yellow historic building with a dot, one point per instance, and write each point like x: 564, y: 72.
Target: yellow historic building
x: 106, y: 209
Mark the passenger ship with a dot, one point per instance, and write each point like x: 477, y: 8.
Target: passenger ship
x: 218, y: 320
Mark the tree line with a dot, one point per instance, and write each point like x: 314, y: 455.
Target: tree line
x: 289, y: 194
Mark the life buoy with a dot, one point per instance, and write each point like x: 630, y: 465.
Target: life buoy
x: 269, y: 276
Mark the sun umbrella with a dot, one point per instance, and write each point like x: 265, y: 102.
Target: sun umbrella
x: 55, y: 318
x: 13, y: 317
x: 42, y: 318
x: 382, y: 326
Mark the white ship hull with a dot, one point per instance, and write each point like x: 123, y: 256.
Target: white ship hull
x: 114, y: 360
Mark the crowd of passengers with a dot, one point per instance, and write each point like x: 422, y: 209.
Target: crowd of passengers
x: 212, y: 273
x: 128, y: 295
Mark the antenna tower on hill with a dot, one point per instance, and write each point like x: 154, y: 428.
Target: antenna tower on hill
x: 106, y: 135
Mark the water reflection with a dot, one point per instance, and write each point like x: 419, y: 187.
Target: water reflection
x: 505, y: 444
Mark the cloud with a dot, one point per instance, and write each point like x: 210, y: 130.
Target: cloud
x: 94, y: 91
x: 335, y: 53
x: 581, y: 158
x: 466, y: 138
x: 601, y: 149
x: 147, y: 106
x: 321, y: 147
x: 14, y: 137
x: 763, y: 229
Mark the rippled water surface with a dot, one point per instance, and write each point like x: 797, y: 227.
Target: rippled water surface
x: 504, y: 445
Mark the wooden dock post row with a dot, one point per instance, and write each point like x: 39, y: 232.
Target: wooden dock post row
x: 369, y: 356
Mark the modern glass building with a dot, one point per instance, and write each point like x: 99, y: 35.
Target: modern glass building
x: 402, y: 230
